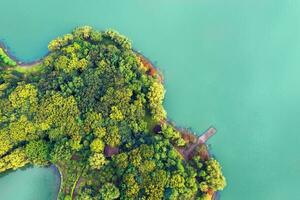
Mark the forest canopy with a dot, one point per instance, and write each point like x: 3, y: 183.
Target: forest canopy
x: 95, y: 111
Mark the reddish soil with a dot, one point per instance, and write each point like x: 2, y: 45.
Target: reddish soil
x: 151, y: 70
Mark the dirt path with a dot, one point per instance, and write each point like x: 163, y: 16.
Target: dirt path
x: 77, y: 188
x: 29, y: 65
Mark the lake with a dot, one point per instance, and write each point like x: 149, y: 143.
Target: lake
x: 228, y: 63
x: 29, y: 184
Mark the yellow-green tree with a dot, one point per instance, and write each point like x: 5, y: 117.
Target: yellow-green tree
x: 112, y: 138
x: 5, y: 141
x: 59, y: 112
x: 14, y: 160
x: 214, y: 178
x: 24, y: 98
x: 109, y: 192
x: 37, y: 152
x: 155, y: 97
x: 97, y: 145
x: 22, y: 130
x: 97, y: 160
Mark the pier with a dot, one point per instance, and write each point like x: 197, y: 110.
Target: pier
x: 206, y: 135
x: 187, y: 153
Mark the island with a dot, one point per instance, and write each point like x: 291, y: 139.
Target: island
x: 92, y: 108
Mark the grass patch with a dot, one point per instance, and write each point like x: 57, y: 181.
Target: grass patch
x: 30, y: 69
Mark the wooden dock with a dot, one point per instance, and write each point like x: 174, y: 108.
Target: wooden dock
x: 201, y: 140
x: 206, y: 135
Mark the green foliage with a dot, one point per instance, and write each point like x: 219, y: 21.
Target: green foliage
x: 130, y: 186
x: 22, y: 130
x: 116, y: 114
x: 5, y: 60
x: 97, y: 160
x: 61, y: 152
x: 84, y: 32
x: 60, y: 112
x: 37, y: 152
x: 177, y: 181
x: 121, y: 161
x: 24, y: 98
x: 172, y: 134
x: 147, y: 172
x: 5, y: 142
x: 14, y: 160
x: 214, y: 177
x: 97, y: 145
x: 93, y: 92
x: 93, y: 121
x: 109, y: 192
x: 59, y: 42
x: 155, y: 97
x: 113, y: 137
x: 119, y: 39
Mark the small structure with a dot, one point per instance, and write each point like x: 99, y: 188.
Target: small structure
x: 206, y: 135
x: 187, y: 153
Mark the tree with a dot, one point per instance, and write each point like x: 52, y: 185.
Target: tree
x: 120, y: 161
x: 59, y: 42
x: 116, y: 114
x: 205, y: 197
x: 5, y: 60
x: 109, y: 192
x: 112, y: 138
x: 97, y: 160
x: 93, y: 91
x: 55, y: 111
x: 14, y: 160
x: 118, y: 38
x: 83, y: 32
x: 155, y: 97
x: 5, y: 142
x: 170, y: 133
x: 100, y: 132
x: 97, y: 145
x: 130, y: 186
x: 61, y: 152
x: 22, y: 130
x: 92, y: 121
x: 37, y: 152
x: 24, y: 98
x: 214, y: 178
x: 177, y: 181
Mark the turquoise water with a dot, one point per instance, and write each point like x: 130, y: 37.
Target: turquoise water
x: 229, y: 63
x: 29, y: 184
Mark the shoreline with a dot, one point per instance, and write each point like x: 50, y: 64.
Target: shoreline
x: 57, y: 172
x: 183, y: 131
x: 52, y: 167
x: 193, y: 142
x: 152, y: 71
x: 18, y: 61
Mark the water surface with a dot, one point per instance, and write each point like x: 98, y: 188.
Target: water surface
x: 29, y: 184
x: 229, y: 63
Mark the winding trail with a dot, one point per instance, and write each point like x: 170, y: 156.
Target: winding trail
x: 76, y: 188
